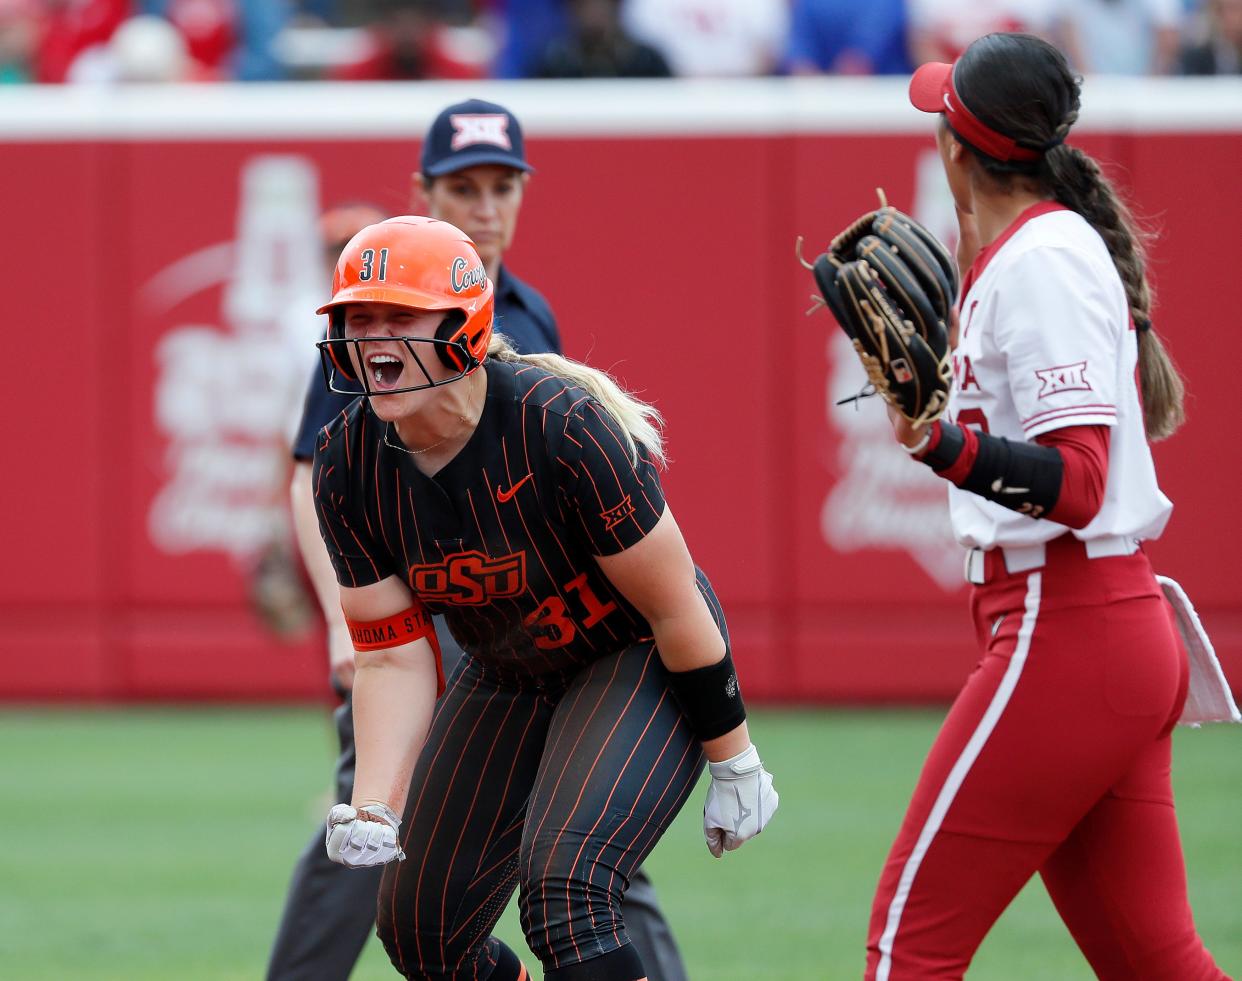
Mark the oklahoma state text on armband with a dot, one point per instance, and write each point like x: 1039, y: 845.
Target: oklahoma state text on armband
x: 400, y: 628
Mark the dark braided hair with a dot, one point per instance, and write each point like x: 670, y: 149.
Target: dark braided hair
x: 1021, y: 86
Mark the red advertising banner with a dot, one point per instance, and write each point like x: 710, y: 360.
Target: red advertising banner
x: 174, y: 272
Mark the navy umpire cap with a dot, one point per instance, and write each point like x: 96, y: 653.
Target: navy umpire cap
x: 471, y: 133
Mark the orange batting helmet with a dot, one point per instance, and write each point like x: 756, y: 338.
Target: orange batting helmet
x: 422, y: 264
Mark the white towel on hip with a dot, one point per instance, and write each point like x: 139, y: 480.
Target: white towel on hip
x: 1208, y: 698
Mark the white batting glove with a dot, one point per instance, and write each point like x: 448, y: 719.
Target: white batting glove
x: 740, y: 801
x: 362, y: 837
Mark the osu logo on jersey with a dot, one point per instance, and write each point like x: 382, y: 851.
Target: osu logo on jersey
x: 470, y: 578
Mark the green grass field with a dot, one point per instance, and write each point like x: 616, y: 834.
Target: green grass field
x: 156, y: 844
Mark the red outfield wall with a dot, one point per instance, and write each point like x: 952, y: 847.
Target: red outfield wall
x: 162, y: 268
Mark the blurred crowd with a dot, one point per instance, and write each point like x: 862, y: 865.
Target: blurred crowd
x: 103, y: 41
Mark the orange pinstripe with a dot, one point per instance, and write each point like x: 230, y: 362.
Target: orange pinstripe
x: 613, y: 790
x: 366, y: 514
x: 464, y: 824
x: 620, y: 486
x: 379, y: 510
x: 483, y: 873
x: 517, y: 505
x: 600, y: 498
x: 553, y: 750
x: 405, y: 553
x: 611, y: 426
x: 556, y: 787
x: 364, y: 551
x: 551, y: 531
x: 345, y: 439
x: 409, y: 825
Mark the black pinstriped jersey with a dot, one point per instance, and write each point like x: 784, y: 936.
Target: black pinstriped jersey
x: 501, y: 540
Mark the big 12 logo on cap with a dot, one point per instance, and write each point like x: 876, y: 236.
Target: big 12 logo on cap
x: 472, y: 128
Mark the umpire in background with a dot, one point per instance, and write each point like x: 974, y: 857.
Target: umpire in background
x: 473, y: 175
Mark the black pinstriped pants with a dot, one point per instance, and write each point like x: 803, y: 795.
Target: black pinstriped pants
x: 329, y: 911
x: 561, y: 793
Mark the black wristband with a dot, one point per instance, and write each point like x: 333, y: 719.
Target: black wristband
x: 710, y: 698
x: 948, y: 447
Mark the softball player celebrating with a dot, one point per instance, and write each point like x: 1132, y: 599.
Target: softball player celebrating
x: 1055, y: 758
x: 473, y: 174
x: 518, y: 495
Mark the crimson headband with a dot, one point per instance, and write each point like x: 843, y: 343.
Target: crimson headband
x: 933, y: 89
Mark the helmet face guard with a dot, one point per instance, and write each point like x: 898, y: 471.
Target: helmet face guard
x: 338, y: 366
x: 419, y: 264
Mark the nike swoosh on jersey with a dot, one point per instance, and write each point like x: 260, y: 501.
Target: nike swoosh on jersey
x: 507, y: 495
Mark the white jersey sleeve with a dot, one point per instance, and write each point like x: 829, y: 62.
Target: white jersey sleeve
x: 1046, y: 342
x: 1062, y: 328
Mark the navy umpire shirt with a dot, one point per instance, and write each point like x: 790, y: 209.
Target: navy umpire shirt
x: 522, y: 315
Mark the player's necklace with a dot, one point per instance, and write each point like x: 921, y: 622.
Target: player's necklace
x: 425, y: 449
x: 465, y: 420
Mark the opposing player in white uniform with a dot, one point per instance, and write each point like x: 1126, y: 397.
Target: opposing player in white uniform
x: 1055, y: 758
x: 1046, y: 342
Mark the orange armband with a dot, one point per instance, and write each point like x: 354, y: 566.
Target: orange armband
x: 400, y: 628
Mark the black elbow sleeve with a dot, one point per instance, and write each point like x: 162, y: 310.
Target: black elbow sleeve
x: 1024, y: 477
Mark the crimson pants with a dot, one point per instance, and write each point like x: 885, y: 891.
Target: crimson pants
x: 1055, y: 758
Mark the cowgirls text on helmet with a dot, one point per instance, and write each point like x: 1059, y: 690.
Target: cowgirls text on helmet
x: 419, y: 264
